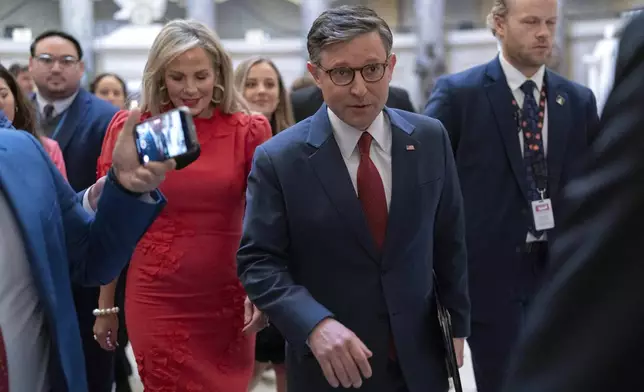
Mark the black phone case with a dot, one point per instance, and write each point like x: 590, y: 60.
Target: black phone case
x: 186, y: 159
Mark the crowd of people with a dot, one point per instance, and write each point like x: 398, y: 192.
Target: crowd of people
x: 316, y: 225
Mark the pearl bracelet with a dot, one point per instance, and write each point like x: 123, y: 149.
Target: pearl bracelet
x: 106, y: 312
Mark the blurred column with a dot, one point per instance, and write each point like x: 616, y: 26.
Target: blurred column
x: 77, y: 19
x: 560, y: 51
x: 204, y: 11
x: 310, y: 10
x: 430, y: 34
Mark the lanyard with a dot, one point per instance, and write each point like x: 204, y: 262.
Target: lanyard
x: 60, y: 124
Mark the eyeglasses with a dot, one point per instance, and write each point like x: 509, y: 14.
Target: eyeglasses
x: 343, y: 76
x: 48, y: 60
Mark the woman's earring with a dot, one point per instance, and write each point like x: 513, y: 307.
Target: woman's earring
x: 217, y: 100
x: 163, y: 92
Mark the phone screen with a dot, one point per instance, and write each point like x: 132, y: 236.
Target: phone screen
x: 162, y: 137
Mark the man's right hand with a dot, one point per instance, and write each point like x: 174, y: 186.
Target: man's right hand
x: 340, y: 353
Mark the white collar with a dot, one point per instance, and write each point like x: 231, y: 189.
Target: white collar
x: 59, y: 106
x: 347, y: 136
x: 516, y: 79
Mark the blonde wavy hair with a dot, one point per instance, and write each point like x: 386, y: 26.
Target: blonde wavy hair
x: 499, y: 10
x: 175, y: 38
x: 283, y: 114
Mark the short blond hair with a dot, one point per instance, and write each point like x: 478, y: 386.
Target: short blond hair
x: 499, y: 9
x: 175, y: 38
x: 303, y: 81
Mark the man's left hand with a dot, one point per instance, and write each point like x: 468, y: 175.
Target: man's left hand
x: 125, y: 160
x: 254, y: 319
x: 459, y: 348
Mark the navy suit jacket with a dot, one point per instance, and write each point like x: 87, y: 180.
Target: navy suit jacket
x: 307, y: 254
x: 476, y: 108
x: 81, y: 137
x: 63, y: 241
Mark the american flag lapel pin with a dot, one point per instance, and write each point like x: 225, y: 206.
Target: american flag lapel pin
x: 410, y: 147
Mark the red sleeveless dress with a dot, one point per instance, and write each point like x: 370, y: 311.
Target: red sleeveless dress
x: 184, y: 303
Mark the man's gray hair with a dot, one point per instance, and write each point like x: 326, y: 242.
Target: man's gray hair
x: 343, y: 24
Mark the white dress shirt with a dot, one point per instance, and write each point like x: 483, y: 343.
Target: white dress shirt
x: 515, y: 80
x: 59, y: 106
x: 22, y: 318
x: 380, y: 153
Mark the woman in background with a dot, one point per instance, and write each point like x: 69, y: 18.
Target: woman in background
x: 20, y: 113
x: 262, y: 85
x: 185, y: 305
x: 23, y: 78
x: 112, y: 88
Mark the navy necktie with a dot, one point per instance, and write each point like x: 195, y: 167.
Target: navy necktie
x: 48, y: 111
x: 533, y: 149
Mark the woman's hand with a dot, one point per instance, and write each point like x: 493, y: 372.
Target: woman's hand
x: 106, y: 330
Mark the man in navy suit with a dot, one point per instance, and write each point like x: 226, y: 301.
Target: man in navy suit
x: 47, y: 239
x: 77, y: 120
x: 518, y: 131
x: 349, y: 213
x: 585, y: 330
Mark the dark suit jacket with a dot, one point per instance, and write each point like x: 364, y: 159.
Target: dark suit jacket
x: 306, y: 101
x: 307, y: 254
x: 585, y: 333
x: 81, y: 137
x: 62, y: 240
x: 476, y: 108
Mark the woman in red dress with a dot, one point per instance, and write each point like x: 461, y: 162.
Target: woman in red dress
x: 185, y: 305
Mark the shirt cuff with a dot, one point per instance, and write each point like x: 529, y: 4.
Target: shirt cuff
x: 146, y: 198
x: 86, y: 205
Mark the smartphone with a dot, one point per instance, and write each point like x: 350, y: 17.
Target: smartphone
x: 169, y: 135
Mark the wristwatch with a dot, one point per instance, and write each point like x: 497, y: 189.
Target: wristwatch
x: 111, y: 177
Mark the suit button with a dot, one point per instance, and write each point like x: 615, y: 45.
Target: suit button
x: 518, y: 249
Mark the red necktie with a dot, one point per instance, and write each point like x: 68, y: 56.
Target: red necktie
x: 4, y: 371
x: 371, y: 192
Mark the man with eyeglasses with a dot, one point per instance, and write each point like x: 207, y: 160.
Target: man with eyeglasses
x: 348, y: 214
x: 77, y: 120
x: 306, y: 101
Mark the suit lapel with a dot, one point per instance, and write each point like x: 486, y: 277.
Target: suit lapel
x: 500, y: 98
x: 329, y: 166
x: 559, y: 122
x: 404, y: 193
x: 74, y: 117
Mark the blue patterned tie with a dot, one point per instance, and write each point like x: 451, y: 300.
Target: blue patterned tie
x: 533, y: 152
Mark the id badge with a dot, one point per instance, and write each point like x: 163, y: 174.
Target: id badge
x: 544, y: 218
